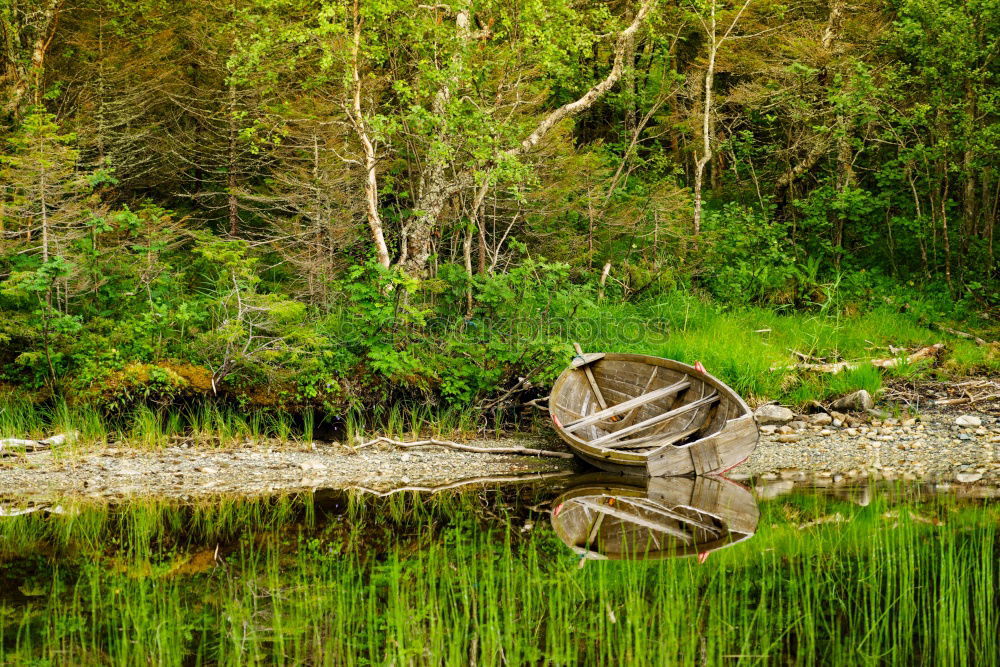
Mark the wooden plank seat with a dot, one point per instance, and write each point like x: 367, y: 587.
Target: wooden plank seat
x: 625, y: 406
x: 652, y: 421
x: 601, y: 508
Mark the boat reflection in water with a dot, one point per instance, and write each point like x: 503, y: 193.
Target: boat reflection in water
x: 607, y: 516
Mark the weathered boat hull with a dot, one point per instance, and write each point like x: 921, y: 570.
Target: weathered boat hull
x: 666, y: 418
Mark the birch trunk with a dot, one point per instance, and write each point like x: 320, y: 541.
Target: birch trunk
x: 436, y: 186
x: 706, y: 114
x: 715, y: 42
x: 368, y: 147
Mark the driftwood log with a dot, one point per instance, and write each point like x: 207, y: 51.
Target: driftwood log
x: 471, y: 481
x: 962, y: 334
x: 975, y: 391
x: 929, y: 352
x: 966, y: 399
x: 12, y: 445
x: 526, y: 451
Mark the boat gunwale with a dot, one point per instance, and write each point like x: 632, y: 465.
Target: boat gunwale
x: 634, y: 458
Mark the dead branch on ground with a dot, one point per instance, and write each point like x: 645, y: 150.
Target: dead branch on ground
x: 929, y: 352
x: 498, y: 479
x: 961, y: 334
x: 527, y: 451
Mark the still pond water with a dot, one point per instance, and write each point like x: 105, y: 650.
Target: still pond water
x: 590, y: 569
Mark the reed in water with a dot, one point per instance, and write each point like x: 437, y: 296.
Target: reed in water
x: 479, y: 576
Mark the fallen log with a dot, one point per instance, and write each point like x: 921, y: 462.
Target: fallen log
x: 527, y: 451
x: 928, y: 352
x: 22, y: 445
x: 966, y: 399
x: 961, y: 334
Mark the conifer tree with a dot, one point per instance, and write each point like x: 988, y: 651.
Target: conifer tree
x: 46, y: 205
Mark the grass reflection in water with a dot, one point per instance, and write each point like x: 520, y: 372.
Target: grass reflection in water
x: 479, y: 575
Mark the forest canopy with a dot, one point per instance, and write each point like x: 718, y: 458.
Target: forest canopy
x: 318, y: 202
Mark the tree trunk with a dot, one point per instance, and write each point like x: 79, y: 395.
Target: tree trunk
x: 31, y: 79
x: 370, y: 161
x: 46, y: 240
x: 628, y: 84
x: 845, y: 181
x: 706, y: 155
x: 467, y: 256
x: 715, y: 41
x: 832, y: 24
x: 605, y: 272
x: 477, y: 218
x: 420, y: 228
x: 969, y: 196
x: 232, y: 164
x: 436, y: 187
x: 481, y: 260
x: 946, y: 240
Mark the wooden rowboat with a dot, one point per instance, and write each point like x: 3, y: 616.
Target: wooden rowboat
x: 606, y: 516
x: 640, y: 414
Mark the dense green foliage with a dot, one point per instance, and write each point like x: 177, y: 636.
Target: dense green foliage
x: 477, y: 577
x: 327, y: 203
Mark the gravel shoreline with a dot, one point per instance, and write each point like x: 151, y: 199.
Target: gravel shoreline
x: 930, y: 448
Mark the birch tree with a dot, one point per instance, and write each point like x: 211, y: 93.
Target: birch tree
x: 718, y: 27
x: 440, y: 185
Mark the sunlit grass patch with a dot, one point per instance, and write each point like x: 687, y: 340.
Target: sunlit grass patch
x: 820, y: 388
x: 755, y: 350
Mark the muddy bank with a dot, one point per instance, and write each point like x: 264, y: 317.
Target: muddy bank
x: 931, y: 448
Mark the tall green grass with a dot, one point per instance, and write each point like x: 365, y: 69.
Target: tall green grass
x: 456, y: 579
x: 147, y: 427
x: 748, y: 347
x: 144, y: 426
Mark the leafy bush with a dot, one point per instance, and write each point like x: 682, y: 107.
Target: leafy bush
x: 748, y: 256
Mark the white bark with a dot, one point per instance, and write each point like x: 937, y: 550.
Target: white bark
x: 715, y: 42
x: 436, y: 186
x: 588, y: 99
x: 368, y: 146
x: 706, y: 115
x: 832, y: 24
